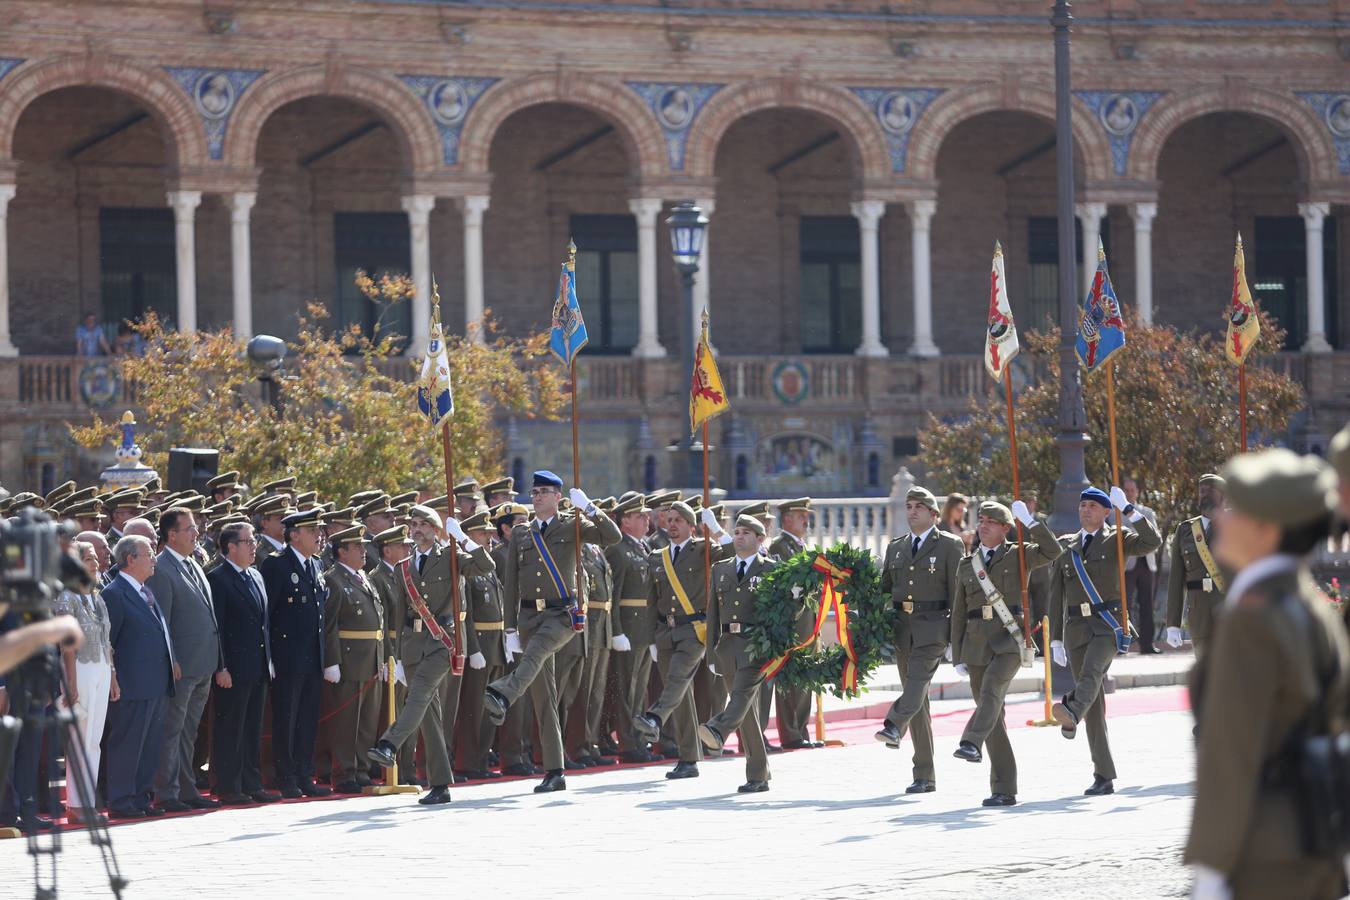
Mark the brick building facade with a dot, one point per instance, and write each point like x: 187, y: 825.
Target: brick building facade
x: 226, y: 166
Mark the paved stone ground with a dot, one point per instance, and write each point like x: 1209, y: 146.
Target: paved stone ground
x: 836, y: 824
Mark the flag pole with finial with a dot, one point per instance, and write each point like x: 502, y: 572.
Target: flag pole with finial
x: 1115, y: 472
x: 576, y: 442
x: 447, y: 451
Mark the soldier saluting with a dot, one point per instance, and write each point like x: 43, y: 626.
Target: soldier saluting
x: 1198, y: 580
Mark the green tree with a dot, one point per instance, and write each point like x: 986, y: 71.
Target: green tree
x: 347, y: 417
x: 1176, y: 418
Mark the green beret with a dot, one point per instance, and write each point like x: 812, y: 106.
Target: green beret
x: 1281, y: 487
x: 1338, y: 454
x: 922, y: 495
x: 682, y: 510
x: 996, y: 511
x: 750, y: 522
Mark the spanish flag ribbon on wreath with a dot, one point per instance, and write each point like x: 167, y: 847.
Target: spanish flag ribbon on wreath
x: 1244, y: 327
x: 707, y: 395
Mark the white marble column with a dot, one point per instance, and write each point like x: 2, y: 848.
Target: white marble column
x: 185, y: 205
x: 473, y: 206
x: 702, y: 280
x: 1144, y: 214
x: 7, y: 347
x: 921, y: 218
x: 418, y: 207
x: 241, y: 260
x: 1314, y: 219
x: 645, y: 210
x: 868, y: 214
x: 1090, y: 215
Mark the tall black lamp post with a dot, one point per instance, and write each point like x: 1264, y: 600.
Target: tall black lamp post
x: 687, y: 225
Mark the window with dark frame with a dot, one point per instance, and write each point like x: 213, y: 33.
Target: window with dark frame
x: 378, y: 244
x: 607, y: 280
x: 831, y: 284
x: 1277, y: 273
x: 137, y: 265
x: 1042, y: 295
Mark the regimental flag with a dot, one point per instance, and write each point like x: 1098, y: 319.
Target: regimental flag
x: 569, y: 329
x: 707, y: 396
x: 1244, y: 326
x: 435, y: 397
x: 1000, y: 340
x: 1101, y: 330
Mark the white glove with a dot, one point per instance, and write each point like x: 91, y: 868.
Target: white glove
x: 510, y: 657
x: 620, y: 643
x: 399, y: 675
x: 513, y: 642
x: 710, y: 521
x: 384, y: 671
x: 947, y: 654
x: 652, y: 650
x: 712, y: 668
x: 581, y: 501
x: 1210, y: 885
x: 1057, y: 653
x: 1118, y: 499
x: 1173, y: 637
x: 477, y: 661
x: 271, y: 670
x: 961, y: 670
x: 1019, y: 509
x: 453, y: 529
x: 332, y: 674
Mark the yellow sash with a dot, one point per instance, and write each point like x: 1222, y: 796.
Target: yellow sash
x: 1206, y: 557
x: 700, y: 628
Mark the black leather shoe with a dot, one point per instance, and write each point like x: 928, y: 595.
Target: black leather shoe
x: 436, y: 796
x: 796, y: 745
x: 753, y: 787
x: 203, y: 803
x: 1100, y: 787
x: 412, y: 781
x: 772, y: 748
x: 383, y: 754
x: 236, y: 799
x: 153, y: 811
x: 608, y: 747
x: 172, y: 806
x: 1000, y: 800
x: 638, y: 756
x: 647, y: 727
x: 1068, y: 725
x: 126, y: 813
x: 683, y: 769
x: 477, y: 775
x: 363, y: 780
x: 711, y: 738
x: 34, y: 824
x: 264, y: 796
x: 969, y: 752
x: 572, y: 765
x: 347, y: 787
x: 553, y: 781
x: 291, y: 792
x: 310, y: 789
x: 605, y: 760
x: 494, y: 705
x: 890, y: 736
x: 586, y: 761
x: 1149, y: 650
x: 921, y: 787
x: 520, y: 769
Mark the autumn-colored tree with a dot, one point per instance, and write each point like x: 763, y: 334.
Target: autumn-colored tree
x: 346, y: 413
x: 1176, y: 418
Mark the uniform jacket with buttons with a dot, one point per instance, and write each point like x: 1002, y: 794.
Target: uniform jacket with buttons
x: 386, y: 583
x: 733, y: 598
x: 599, y: 591
x: 483, y: 601
x: 783, y: 548
x: 1188, y: 567
x: 628, y: 561
x: 433, y: 586
x: 295, y: 602
x: 1067, y: 593
x: 976, y: 641
x: 928, y: 576
x: 353, y: 606
x: 689, y: 570
x: 526, y: 578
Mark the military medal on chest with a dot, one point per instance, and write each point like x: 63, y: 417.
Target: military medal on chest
x: 932, y: 565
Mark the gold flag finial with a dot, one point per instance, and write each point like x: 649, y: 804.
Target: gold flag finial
x: 1239, y: 240
x: 435, y: 302
x: 571, y: 255
x: 998, y: 247
x: 704, y: 318
x: 1101, y: 250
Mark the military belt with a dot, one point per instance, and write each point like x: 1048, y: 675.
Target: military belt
x: 913, y: 606
x: 1085, y: 610
x: 597, y: 604
x: 393, y: 635
x: 444, y: 621
x: 359, y: 635
x: 1200, y: 585
x: 540, y: 604
x: 736, y: 627
x: 489, y: 626
x: 677, y: 621
x: 640, y: 603
x: 987, y: 612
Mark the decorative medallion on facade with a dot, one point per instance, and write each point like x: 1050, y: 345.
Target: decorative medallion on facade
x: 215, y: 93
x: 790, y: 382
x: 1119, y: 115
x: 897, y: 110
x: 675, y: 106
x: 9, y: 65
x: 1334, y: 111
x: 449, y: 101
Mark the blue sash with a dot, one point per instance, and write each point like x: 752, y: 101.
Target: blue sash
x: 1095, y: 597
x: 549, y: 564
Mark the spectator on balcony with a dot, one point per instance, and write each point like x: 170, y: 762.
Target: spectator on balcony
x: 128, y: 342
x: 89, y: 338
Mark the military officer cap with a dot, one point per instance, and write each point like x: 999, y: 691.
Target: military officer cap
x: 402, y: 510
x: 218, y: 511
x: 801, y: 504
x: 564, y: 504
x: 426, y: 514
x: 922, y: 495
x: 308, y: 498
x: 151, y: 516
x: 505, y: 510
x: 59, y: 493
x: 5, y: 505
x: 545, y: 478
x: 354, y: 535
x: 759, y: 509
x: 345, y: 516
x: 505, y: 485
x: 361, y: 498
x: 286, y: 484
x: 1211, y: 478
x: 662, y: 499
x: 405, y: 497
x: 477, y: 522
x: 195, y: 504
x: 467, y: 488
x: 82, y: 495
x: 438, y: 503
x: 154, y: 484
x: 682, y: 510
x: 629, y: 495
x: 755, y: 525
x: 695, y: 502
x: 303, y: 519
x: 374, y: 506
x: 223, y: 482
x: 630, y: 504
x: 89, y: 509
x: 1096, y: 495
x: 606, y: 505
x: 275, y: 505
x: 396, y: 535
x: 1338, y: 454
x: 123, y: 500
x: 1281, y: 487
x: 232, y: 519
x: 719, y: 510
x: 992, y: 509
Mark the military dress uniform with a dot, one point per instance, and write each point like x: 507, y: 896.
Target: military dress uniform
x: 485, y: 634
x: 388, y: 584
x: 794, y: 704
x: 1193, y: 592
x: 584, y: 713
x: 354, y: 635
x: 513, y: 735
x: 636, y: 620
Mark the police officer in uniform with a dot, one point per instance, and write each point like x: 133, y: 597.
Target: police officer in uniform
x: 635, y: 621
x: 1197, y: 582
x: 919, y: 572
x: 486, y: 648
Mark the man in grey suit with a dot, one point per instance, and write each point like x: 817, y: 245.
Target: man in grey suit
x: 184, y: 597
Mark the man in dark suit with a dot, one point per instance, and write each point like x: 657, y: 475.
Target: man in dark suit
x: 144, y: 658
x: 295, y: 600
x: 241, y: 684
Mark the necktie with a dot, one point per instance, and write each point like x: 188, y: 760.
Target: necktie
x: 740, y: 570
x: 989, y: 556
x: 1087, y: 542
x: 154, y: 608
x: 674, y: 554
x: 421, y: 563
x: 543, y: 525
x: 252, y: 587
x: 917, y: 542
x: 150, y: 600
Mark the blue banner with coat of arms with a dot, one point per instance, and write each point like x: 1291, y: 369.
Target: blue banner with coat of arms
x: 569, y: 329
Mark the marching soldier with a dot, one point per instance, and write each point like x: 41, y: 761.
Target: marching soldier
x: 1197, y: 581
x: 485, y: 645
x: 987, y: 636
x: 794, y: 704
x: 731, y: 610
x: 425, y: 658
x: 1084, y: 605
x: 583, y: 723
x: 539, y: 584
x: 513, y: 735
x: 394, y: 545
x: 681, y: 627
x: 919, y: 572
x: 1274, y: 673
x: 635, y: 626
x: 354, y: 636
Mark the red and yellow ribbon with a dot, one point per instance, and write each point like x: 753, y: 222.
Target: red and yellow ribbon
x: 831, y: 597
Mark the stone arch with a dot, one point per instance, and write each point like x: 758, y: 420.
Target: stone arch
x: 410, y: 120
x: 955, y: 107
x: 611, y: 100
x: 161, y: 96
x: 732, y: 104
x: 1307, y: 134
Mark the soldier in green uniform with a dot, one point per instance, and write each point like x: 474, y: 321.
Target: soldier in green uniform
x: 1198, y: 580
x: 468, y: 498
x: 987, y: 641
x: 583, y: 722
x: 539, y: 588
x: 731, y: 611
x: 425, y: 659
x: 794, y: 704
x: 513, y: 734
x: 394, y: 545
x: 1080, y: 603
x: 486, y: 648
x: 499, y: 491
x: 681, y: 604
x: 268, y: 514
x: 919, y: 572
x: 658, y: 517
x: 634, y: 622
x: 354, y: 651
x: 1274, y: 672
x: 377, y: 517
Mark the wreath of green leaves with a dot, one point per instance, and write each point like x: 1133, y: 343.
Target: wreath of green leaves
x: 777, y: 609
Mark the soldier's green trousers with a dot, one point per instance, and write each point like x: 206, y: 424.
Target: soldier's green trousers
x: 422, y: 710
x: 679, y: 653
x: 744, y: 681
x: 1090, y: 661
x: 633, y: 671
x: 583, y: 722
x: 987, y: 727
x: 909, y: 712
x: 543, y: 633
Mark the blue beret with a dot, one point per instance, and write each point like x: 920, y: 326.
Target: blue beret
x: 545, y: 478
x: 1097, y: 495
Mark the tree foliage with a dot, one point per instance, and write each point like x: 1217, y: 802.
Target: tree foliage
x: 347, y: 417
x: 1176, y: 418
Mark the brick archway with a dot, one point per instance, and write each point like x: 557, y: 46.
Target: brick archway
x: 1312, y: 146
x: 410, y: 120
x: 836, y: 104
x: 608, y: 99
x: 951, y: 109
x: 153, y: 88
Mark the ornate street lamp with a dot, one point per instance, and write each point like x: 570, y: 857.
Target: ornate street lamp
x: 687, y: 225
